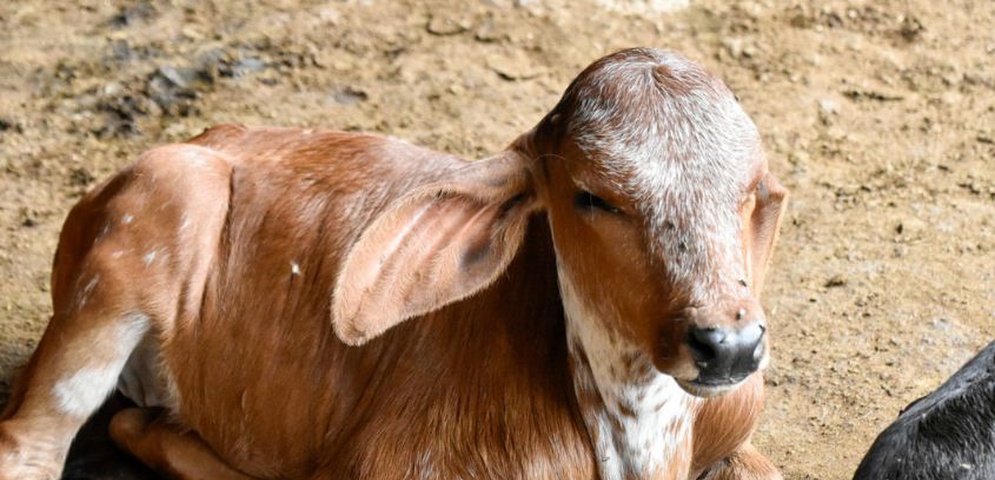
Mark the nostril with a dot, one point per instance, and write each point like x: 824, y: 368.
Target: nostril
x: 758, y: 352
x: 704, y: 344
x: 759, y: 348
x: 753, y: 334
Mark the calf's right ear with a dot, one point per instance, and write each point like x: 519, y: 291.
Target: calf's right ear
x: 435, y: 246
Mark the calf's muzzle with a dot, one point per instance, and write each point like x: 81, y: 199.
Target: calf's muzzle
x: 728, y: 352
x: 725, y: 356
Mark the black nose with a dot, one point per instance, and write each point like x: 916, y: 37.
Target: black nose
x: 725, y: 355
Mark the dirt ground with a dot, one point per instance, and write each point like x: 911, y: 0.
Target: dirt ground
x: 878, y: 115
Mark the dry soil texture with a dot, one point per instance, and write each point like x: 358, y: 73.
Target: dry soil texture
x: 878, y: 115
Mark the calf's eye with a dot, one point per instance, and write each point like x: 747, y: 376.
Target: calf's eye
x: 587, y: 201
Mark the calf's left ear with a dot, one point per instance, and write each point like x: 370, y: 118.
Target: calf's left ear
x: 435, y: 246
x: 764, y: 225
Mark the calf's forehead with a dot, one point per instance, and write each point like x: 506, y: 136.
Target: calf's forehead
x: 663, y: 127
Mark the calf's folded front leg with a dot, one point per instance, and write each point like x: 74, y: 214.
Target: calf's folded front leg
x: 177, y: 454
x: 64, y: 383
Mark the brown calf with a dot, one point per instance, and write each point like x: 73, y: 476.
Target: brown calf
x: 321, y: 305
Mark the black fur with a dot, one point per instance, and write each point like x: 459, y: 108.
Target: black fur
x: 948, y: 434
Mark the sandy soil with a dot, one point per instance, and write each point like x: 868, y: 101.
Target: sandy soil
x: 878, y: 115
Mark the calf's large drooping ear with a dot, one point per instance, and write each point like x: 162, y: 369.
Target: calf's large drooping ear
x: 765, y: 223
x: 435, y: 246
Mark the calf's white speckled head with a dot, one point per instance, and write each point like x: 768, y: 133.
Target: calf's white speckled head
x: 663, y: 214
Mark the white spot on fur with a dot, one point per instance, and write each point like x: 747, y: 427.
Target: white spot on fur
x: 79, y: 395
x: 117, y: 254
x: 84, y: 294
x: 85, y: 389
x: 185, y: 222
x: 127, y: 219
x: 149, y: 257
x: 425, y: 466
x: 651, y: 437
x: 196, y: 158
x: 295, y: 269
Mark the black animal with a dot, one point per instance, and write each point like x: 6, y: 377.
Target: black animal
x: 948, y: 434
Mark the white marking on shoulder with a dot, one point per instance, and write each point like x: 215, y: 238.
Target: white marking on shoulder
x: 81, y: 393
x: 197, y: 158
x: 295, y: 269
